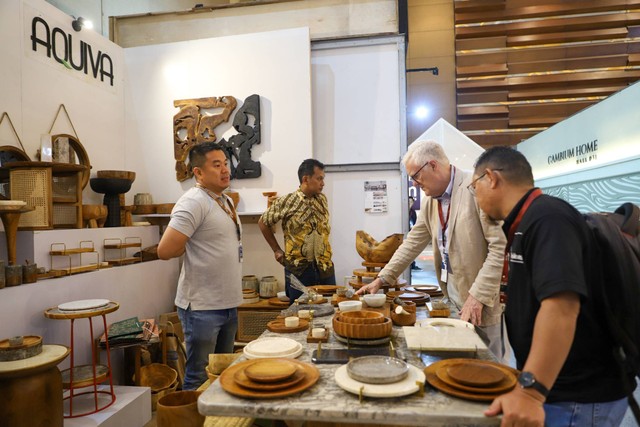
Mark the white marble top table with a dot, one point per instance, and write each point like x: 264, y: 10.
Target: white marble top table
x: 327, y: 402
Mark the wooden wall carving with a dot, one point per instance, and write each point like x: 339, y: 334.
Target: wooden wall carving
x: 524, y: 65
x: 192, y: 126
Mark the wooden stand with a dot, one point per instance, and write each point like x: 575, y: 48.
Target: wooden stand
x: 10, y: 219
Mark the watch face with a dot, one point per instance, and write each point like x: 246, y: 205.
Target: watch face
x: 526, y: 379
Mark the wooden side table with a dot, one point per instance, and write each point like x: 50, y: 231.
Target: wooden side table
x: 32, y: 389
x: 79, y: 376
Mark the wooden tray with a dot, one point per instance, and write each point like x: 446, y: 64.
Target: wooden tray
x: 311, y: 339
x: 507, y: 383
x: 316, y: 302
x: 325, y: 290
x: 484, y: 396
x: 31, y: 346
x: 242, y: 380
x: 476, y: 374
x: 228, y: 383
x: 275, y: 301
x: 278, y: 326
x: 270, y: 371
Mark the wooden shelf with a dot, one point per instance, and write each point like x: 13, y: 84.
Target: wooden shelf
x: 123, y: 245
x: 74, y: 270
x: 124, y: 261
x: 72, y: 251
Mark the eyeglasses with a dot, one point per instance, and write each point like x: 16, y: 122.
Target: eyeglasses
x: 472, y: 187
x: 413, y: 177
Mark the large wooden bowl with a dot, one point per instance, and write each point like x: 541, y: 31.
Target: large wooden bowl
x: 362, y: 317
x: 373, y: 251
x: 128, y: 175
x: 362, y: 331
x: 164, y: 208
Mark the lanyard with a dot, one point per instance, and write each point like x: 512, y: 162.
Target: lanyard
x: 230, y: 213
x: 444, y: 222
x: 512, y: 231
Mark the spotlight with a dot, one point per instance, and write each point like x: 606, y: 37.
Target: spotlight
x: 80, y: 22
x: 421, y: 112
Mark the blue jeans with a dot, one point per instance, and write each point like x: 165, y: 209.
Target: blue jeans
x: 309, y: 277
x: 205, y: 332
x: 572, y: 414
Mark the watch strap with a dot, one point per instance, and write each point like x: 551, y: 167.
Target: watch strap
x: 532, y: 383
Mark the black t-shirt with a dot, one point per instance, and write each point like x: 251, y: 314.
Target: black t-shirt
x: 552, y: 252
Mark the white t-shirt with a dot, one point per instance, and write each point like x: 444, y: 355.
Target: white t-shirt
x: 211, y: 275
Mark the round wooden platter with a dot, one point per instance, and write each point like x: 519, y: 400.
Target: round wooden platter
x: 318, y: 301
x: 31, y: 346
x: 241, y: 379
x: 278, y: 326
x: 325, y: 290
x: 229, y: 384
x: 270, y: 370
x: 438, y: 370
x: 278, y: 303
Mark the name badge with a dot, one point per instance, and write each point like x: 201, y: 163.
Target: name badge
x: 444, y: 272
x: 240, y: 254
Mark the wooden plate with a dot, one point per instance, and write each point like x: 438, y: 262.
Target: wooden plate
x: 504, y: 386
x: 228, y: 383
x: 241, y: 379
x: 278, y: 326
x: 486, y: 395
x: 325, y: 290
x: 278, y: 303
x: 475, y: 374
x: 318, y: 301
x: 270, y: 370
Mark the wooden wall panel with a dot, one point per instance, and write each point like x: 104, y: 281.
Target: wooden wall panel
x: 524, y: 65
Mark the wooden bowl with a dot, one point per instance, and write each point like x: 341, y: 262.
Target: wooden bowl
x: 157, y: 376
x: 362, y: 317
x: 362, y: 331
x: 128, y: 175
x: 373, y: 251
x: 143, y: 209
x: 409, y: 306
x: 403, y: 319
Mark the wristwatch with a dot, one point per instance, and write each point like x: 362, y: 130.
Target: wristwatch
x: 528, y: 380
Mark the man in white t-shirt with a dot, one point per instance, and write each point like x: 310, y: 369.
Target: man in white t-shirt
x: 205, y: 228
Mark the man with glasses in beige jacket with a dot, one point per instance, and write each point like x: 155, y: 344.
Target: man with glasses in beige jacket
x: 468, y: 247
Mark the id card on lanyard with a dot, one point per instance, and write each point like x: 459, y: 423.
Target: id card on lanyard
x: 445, y: 267
x: 231, y: 213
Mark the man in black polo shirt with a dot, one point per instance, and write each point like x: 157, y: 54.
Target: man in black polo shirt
x: 568, y: 374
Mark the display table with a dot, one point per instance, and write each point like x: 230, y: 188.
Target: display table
x: 31, y: 389
x: 80, y: 376
x: 326, y: 402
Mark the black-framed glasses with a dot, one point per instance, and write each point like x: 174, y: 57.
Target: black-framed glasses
x: 413, y: 177
x: 472, y: 187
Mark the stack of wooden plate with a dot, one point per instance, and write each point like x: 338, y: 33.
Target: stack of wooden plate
x: 419, y: 298
x: 471, y: 379
x: 325, y: 290
x: 268, y: 378
x: 432, y: 290
x: 362, y: 324
x: 250, y: 296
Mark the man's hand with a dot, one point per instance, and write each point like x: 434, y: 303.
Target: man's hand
x: 472, y: 311
x: 279, y: 254
x: 519, y: 408
x: 372, y: 287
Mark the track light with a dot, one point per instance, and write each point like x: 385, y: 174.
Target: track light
x: 80, y: 22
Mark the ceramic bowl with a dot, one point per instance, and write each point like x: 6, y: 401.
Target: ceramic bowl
x: 282, y: 296
x: 375, y: 300
x: 350, y: 305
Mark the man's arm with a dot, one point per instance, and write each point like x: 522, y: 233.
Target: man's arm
x: 267, y: 232
x: 553, y: 335
x: 172, y: 244
x: 486, y: 285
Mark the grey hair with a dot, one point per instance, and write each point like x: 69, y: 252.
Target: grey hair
x: 423, y: 151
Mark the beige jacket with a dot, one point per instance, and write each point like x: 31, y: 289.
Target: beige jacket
x: 476, y: 250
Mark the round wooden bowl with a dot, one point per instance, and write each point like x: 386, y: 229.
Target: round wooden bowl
x: 164, y: 208
x: 362, y: 317
x: 409, y: 306
x: 157, y: 376
x: 403, y: 319
x: 143, y: 209
x: 128, y: 175
x: 362, y: 331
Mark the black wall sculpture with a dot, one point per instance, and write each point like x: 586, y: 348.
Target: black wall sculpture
x: 238, y: 148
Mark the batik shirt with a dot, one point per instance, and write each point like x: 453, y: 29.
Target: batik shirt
x: 305, y: 223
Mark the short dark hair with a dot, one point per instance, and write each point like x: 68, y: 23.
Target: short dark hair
x: 198, y: 153
x: 308, y: 167
x: 512, y: 164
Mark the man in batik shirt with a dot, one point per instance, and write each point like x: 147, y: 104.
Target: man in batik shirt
x: 305, y: 223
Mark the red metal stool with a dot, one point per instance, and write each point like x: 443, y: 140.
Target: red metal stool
x: 86, y: 375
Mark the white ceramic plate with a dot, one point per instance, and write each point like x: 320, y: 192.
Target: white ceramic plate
x: 401, y: 388
x: 85, y: 304
x: 272, y: 347
x: 291, y: 355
